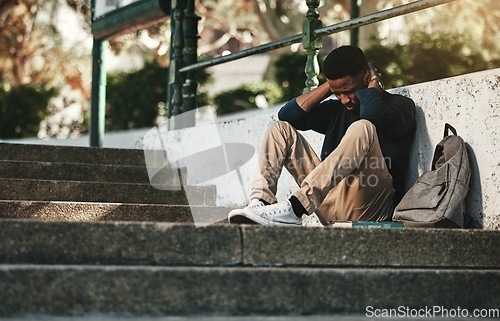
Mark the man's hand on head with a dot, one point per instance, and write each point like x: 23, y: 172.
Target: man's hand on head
x: 312, y: 98
x: 374, y: 81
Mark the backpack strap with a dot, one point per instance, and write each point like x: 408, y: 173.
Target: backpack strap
x: 447, y: 128
x: 439, y: 150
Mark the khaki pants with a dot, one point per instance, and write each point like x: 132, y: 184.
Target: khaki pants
x: 352, y: 183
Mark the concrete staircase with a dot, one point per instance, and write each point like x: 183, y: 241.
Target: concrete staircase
x: 55, y: 259
x: 74, y: 183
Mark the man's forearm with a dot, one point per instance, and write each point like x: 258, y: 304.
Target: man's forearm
x: 310, y: 99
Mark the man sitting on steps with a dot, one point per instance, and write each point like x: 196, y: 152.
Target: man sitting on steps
x: 364, y: 158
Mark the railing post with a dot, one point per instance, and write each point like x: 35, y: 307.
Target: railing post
x: 98, y: 98
x: 98, y: 94
x: 354, y: 14
x: 311, y: 44
x: 170, y: 90
x: 190, y: 56
x: 176, y: 58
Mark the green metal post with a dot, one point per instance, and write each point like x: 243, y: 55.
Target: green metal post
x: 176, y: 61
x: 170, y: 90
x: 311, y: 44
x: 355, y: 14
x: 190, y: 56
x: 98, y: 100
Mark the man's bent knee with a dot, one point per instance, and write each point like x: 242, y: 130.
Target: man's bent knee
x: 280, y: 124
x: 362, y: 127
x: 282, y: 127
x: 363, y: 123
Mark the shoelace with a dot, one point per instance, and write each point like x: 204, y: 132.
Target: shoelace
x: 257, y: 205
x: 276, y: 211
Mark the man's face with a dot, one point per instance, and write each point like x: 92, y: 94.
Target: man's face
x: 345, y: 89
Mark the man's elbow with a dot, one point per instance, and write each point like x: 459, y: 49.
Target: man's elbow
x: 282, y: 115
x: 286, y: 112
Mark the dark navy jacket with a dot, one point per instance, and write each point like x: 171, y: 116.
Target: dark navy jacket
x: 392, y: 115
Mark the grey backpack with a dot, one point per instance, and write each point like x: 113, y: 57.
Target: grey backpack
x: 437, y: 199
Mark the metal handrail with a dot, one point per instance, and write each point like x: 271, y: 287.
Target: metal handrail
x: 379, y: 16
x: 243, y: 53
x: 338, y: 27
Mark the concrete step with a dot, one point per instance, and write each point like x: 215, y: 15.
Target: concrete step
x: 121, y: 243
x: 86, y: 172
x: 253, y: 317
x: 89, y: 268
x: 140, y: 317
x: 70, y: 154
x: 78, y: 191
x: 238, y: 290
x: 118, y: 243
x: 87, y: 211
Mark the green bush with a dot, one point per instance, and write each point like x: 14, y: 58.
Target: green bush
x: 22, y: 109
x: 289, y: 73
x: 133, y: 99
x: 245, y: 97
x: 426, y: 57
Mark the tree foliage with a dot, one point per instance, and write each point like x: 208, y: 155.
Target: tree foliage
x: 132, y: 99
x: 31, y: 45
x: 33, y: 53
x: 35, y: 62
x: 426, y: 57
x: 474, y: 22
x: 235, y: 25
x: 247, y: 97
x: 21, y: 111
x: 136, y: 99
x: 289, y: 73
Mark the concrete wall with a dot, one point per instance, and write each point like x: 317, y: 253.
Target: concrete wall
x: 470, y: 103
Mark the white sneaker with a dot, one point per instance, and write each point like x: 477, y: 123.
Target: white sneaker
x: 239, y: 215
x: 279, y: 214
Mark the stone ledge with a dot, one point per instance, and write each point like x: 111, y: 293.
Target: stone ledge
x: 372, y: 247
x: 59, y: 242
x: 234, y: 290
x: 51, y: 242
x: 217, y: 317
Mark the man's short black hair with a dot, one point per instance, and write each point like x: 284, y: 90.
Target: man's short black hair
x: 344, y: 61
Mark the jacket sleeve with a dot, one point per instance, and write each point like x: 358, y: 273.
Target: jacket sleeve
x: 317, y: 119
x: 393, y: 114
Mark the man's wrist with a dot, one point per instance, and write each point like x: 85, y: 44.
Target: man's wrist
x: 375, y: 82
x: 312, y: 98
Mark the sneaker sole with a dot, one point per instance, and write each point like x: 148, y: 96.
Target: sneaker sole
x: 241, y: 219
x: 247, y: 217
